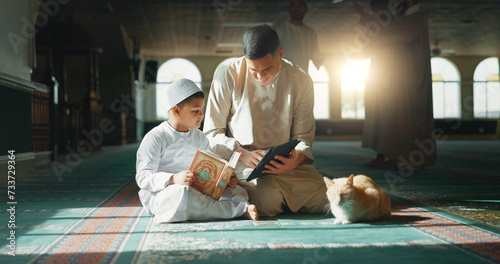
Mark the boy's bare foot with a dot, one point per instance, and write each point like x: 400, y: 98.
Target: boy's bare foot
x: 251, y: 212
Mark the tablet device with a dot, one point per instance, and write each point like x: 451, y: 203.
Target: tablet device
x: 282, y: 150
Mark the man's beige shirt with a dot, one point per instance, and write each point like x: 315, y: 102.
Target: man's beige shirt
x: 241, y: 112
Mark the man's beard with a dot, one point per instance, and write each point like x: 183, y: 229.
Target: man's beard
x: 299, y: 16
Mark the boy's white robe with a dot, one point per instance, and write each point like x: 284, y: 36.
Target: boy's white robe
x: 164, y: 152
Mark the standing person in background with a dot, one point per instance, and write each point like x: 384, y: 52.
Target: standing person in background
x: 298, y: 39
x: 378, y: 90
x: 410, y: 142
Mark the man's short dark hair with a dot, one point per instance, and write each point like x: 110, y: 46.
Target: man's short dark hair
x: 260, y: 40
x: 199, y: 94
x: 304, y: 2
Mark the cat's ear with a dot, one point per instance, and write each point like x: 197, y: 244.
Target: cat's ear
x: 328, y: 182
x: 350, y: 180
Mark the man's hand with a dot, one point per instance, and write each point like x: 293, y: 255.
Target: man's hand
x: 365, y: 16
x: 359, y: 8
x: 250, y: 158
x: 183, y: 177
x: 233, y: 181
x: 282, y: 164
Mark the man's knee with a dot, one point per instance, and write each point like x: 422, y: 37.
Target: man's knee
x: 317, y: 205
x: 268, y: 198
x: 269, y: 204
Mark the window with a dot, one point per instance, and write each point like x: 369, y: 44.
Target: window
x: 171, y: 71
x: 353, y: 88
x: 487, y: 89
x: 445, y: 88
x: 321, y: 91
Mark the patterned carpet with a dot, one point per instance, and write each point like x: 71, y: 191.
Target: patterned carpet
x: 413, y: 235
x: 446, y: 214
x: 465, y: 180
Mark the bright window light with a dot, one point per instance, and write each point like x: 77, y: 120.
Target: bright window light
x: 321, y: 91
x: 487, y: 89
x: 445, y: 88
x: 169, y: 72
x: 353, y: 80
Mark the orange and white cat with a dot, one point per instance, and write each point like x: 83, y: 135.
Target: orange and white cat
x: 357, y: 198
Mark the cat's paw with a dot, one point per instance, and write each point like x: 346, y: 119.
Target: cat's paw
x: 341, y: 221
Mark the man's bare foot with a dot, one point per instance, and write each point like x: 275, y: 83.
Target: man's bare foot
x: 251, y: 212
x: 388, y: 164
x: 380, y: 159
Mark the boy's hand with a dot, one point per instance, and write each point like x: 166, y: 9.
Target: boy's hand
x: 233, y: 181
x: 183, y: 177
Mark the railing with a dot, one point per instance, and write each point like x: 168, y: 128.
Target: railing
x: 40, y: 119
x: 131, y: 128
x: 74, y: 125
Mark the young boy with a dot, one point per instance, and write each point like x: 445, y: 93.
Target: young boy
x: 166, y: 153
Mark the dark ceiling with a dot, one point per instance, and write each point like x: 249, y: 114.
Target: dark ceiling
x: 215, y: 27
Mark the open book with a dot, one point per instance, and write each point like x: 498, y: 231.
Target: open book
x: 282, y: 150
x: 212, y: 173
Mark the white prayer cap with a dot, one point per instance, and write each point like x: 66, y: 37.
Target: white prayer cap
x: 180, y: 90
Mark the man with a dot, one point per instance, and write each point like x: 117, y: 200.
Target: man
x: 378, y: 90
x: 260, y: 101
x: 298, y: 39
x: 409, y: 142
